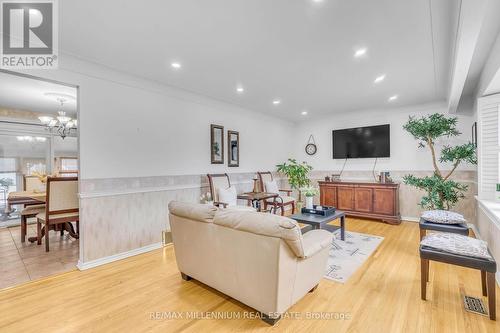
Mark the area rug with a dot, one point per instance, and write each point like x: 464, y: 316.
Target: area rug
x: 347, y: 256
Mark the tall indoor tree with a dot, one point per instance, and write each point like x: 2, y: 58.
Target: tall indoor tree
x: 441, y: 191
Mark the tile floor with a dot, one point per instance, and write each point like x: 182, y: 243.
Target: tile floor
x: 22, y: 262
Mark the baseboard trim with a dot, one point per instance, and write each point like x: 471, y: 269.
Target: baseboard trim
x: 119, y: 256
x: 410, y: 219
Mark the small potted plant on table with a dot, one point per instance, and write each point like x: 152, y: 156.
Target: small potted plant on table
x: 309, y: 192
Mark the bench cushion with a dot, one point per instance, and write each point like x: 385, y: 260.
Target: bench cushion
x: 488, y: 265
x: 457, y: 244
x: 443, y: 217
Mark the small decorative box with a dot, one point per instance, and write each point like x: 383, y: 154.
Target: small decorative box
x: 319, y: 210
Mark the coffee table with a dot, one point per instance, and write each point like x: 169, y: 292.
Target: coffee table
x: 321, y: 222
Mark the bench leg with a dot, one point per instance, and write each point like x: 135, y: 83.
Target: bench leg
x: 483, y: 283
x: 424, y: 276
x: 490, y: 280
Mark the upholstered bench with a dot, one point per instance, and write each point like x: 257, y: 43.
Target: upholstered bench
x: 488, y: 268
x: 424, y: 225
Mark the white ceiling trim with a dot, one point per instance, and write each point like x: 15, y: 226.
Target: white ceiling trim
x: 472, y: 13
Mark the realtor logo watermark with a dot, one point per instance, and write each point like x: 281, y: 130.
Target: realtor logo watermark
x: 29, y: 34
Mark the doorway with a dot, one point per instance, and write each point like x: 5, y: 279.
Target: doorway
x: 38, y: 145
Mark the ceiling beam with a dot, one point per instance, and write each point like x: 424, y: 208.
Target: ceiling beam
x: 490, y: 78
x: 471, y: 16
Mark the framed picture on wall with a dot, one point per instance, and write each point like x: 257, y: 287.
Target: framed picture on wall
x: 233, y: 149
x: 217, y: 144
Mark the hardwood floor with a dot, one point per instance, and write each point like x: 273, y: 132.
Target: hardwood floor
x: 382, y: 296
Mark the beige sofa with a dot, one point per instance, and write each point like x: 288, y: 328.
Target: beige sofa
x: 259, y: 259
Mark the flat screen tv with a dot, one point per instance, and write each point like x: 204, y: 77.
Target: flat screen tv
x: 362, y: 142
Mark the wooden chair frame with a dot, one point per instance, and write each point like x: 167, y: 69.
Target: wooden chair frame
x: 59, y: 224
x: 24, y: 218
x: 277, y: 203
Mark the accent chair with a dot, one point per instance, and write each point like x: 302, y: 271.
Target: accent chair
x: 268, y: 184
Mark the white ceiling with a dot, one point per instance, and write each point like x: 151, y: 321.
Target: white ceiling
x: 19, y: 92
x: 298, y: 51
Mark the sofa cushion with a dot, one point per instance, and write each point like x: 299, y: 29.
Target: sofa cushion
x: 443, y: 217
x: 198, y: 212
x: 227, y: 195
x: 457, y: 244
x: 263, y: 224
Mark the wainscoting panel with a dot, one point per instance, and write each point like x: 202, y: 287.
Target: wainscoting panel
x: 488, y: 228
x: 121, y: 215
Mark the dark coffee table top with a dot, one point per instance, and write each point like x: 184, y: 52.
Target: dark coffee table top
x: 316, y: 219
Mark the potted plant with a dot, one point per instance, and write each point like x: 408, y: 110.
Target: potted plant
x: 297, y: 174
x: 441, y: 191
x: 309, y: 192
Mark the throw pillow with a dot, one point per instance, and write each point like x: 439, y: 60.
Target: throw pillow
x: 272, y: 187
x: 457, y: 244
x: 227, y: 195
x: 443, y: 217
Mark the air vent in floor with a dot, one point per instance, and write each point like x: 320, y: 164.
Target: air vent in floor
x: 473, y: 304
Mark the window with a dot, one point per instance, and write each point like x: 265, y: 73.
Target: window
x: 32, y: 165
x: 8, y: 176
x: 68, y: 166
x: 488, y: 145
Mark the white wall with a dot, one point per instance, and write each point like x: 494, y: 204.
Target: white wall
x: 405, y: 154
x: 131, y: 127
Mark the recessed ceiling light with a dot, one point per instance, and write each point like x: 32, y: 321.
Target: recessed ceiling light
x: 393, y: 98
x: 304, y: 113
x: 360, y: 52
x: 240, y: 89
x: 176, y: 65
x: 276, y: 102
x: 379, y: 78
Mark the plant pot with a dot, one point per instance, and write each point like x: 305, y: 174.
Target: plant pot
x: 309, y: 202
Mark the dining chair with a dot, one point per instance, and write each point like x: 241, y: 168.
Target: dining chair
x: 62, y: 208
x: 268, y: 184
x: 30, y: 210
x: 32, y: 184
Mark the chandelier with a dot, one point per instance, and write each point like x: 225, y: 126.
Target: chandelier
x: 61, y: 125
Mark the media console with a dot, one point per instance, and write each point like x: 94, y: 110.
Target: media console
x: 363, y: 199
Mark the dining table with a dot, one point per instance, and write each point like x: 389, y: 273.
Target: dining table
x: 25, y: 198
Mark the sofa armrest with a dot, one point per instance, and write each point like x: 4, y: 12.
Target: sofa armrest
x: 316, y: 240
